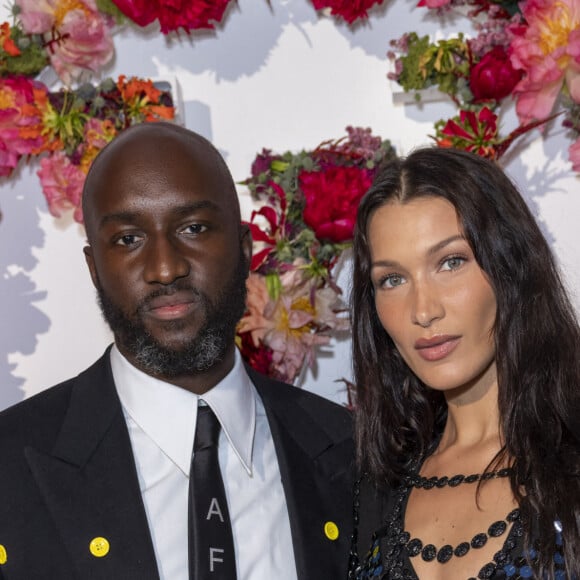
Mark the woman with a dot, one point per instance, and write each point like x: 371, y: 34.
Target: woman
x: 466, y: 355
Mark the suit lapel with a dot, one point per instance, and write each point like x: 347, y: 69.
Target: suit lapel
x: 90, y: 487
x: 316, y: 476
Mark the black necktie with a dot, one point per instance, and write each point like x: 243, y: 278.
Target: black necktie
x: 211, y: 543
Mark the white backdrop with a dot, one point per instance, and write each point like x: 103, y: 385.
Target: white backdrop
x: 279, y: 77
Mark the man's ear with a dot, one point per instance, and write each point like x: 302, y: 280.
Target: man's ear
x: 246, y: 243
x: 90, y: 260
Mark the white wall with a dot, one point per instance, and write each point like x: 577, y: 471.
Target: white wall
x: 279, y: 77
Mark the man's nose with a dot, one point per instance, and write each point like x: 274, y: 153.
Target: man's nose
x: 165, y: 263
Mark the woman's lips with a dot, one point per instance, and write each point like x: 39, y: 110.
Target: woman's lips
x: 437, y: 347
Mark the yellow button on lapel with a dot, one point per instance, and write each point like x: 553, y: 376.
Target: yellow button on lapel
x: 3, y: 555
x: 331, y: 530
x: 99, y: 547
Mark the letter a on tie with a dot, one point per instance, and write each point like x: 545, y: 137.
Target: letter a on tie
x: 211, y: 543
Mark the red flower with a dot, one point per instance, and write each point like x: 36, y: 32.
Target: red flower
x: 258, y: 357
x: 332, y: 198
x: 277, y: 222
x: 350, y: 10
x: 174, y: 14
x: 475, y: 132
x: 493, y: 77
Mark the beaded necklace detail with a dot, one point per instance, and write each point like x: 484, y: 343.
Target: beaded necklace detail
x: 421, y: 482
x: 385, y: 558
x: 445, y: 553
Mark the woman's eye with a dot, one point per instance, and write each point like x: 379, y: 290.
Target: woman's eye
x: 452, y: 263
x: 392, y: 281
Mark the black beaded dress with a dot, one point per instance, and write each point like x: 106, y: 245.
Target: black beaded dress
x: 383, y: 550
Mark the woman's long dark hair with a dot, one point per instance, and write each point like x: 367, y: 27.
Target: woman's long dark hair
x: 537, y: 342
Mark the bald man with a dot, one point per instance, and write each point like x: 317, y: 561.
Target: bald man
x: 94, y: 472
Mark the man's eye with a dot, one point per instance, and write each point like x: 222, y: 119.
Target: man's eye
x: 128, y: 240
x: 193, y: 229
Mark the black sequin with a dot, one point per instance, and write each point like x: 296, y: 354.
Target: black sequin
x: 497, y: 529
x: 429, y: 552
x: 479, y: 540
x: 487, y: 571
x: 462, y: 549
x: 414, y: 547
x: 456, y: 480
x: 444, y: 554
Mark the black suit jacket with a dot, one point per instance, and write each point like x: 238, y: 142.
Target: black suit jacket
x: 67, y: 475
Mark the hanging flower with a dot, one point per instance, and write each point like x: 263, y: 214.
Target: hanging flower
x: 174, y: 14
x: 344, y: 186
x: 493, y: 77
x: 275, y: 236
x: 350, y: 10
x: 77, y: 35
x: 20, y: 121
x: 547, y: 49
x: 475, y: 132
x: 62, y: 184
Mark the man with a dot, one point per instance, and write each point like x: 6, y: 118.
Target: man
x: 94, y: 473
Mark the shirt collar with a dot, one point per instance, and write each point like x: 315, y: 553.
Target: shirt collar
x: 168, y: 414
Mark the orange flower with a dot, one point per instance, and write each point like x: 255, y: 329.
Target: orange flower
x: 6, y: 42
x: 142, y: 100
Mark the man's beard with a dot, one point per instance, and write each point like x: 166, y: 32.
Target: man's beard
x: 202, y: 351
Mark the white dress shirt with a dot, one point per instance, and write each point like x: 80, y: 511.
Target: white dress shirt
x: 161, y: 419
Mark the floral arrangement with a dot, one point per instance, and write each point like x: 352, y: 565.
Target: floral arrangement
x: 306, y: 223
x: 75, y: 36
x: 188, y: 15
x: 527, y: 51
x: 67, y: 128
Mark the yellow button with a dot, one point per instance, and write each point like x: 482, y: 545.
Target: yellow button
x: 3, y: 555
x: 331, y: 530
x: 99, y: 547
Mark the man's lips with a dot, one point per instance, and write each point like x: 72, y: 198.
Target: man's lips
x: 171, y: 307
x: 436, y: 347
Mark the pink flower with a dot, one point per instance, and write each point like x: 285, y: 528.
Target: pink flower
x: 291, y: 325
x: 20, y: 121
x: 62, y: 184
x: 574, y: 153
x: 77, y: 34
x: 547, y: 50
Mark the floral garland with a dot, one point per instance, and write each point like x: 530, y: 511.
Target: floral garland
x: 75, y: 36
x: 527, y: 51
x: 67, y: 128
x: 293, y: 301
